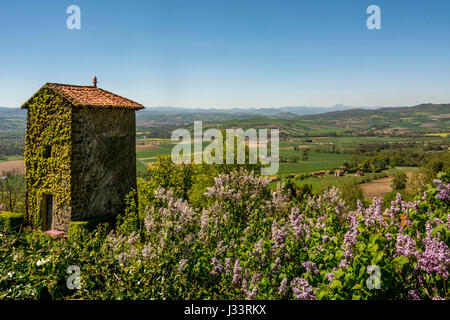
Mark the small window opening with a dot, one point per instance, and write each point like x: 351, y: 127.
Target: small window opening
x: 47, y: 152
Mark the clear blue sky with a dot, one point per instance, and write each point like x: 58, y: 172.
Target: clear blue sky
x: 231, y: 53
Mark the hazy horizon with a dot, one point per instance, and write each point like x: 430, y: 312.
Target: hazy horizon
x: 257, y: 107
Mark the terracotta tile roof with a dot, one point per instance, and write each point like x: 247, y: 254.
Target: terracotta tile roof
x: 90, y: 96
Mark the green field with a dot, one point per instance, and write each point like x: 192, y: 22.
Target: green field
x: 141, y: 167
x: 317, y: 161
x: 12, y: 158
x: 163, y: 148
x: 321, y: 182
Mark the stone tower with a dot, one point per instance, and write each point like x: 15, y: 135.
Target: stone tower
x: 80, y: 154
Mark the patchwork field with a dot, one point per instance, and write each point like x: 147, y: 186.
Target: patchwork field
x: 13, y: 166
x: 379, y: 187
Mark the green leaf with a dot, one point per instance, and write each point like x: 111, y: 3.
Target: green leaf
x: 338, y: 273
x: 361, y: 228
x: 377, y: 257
x: 373, y: 248
x: 357, y: 287
x: 335, y: 283
x: 401, y: 261
x: 339, y: 254
x: 321, y: 295
x: 362, y: 271
x: 361, y: 246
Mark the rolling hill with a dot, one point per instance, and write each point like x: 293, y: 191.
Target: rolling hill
x: 422, y: 118
x: 160, y: 121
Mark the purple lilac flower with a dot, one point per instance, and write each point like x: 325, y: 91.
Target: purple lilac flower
x: 258, y: 247
x: 280, y: 197
x: 389, y: 236
x: 413, y: 295
x: 330, y: 276
x: 301, y: 230
x: 227, y: 265
x: 237, y: 272
x: 182, y: 265
x: 349, y: 241
x: 218, y: 268
x: 443, y: 190
x: 373, y: 214
x: 250, y: 294
x: 146, y: 251
x: 277, y: 265
x: 405, y: 246
x: 278, y: 235
x: 238, y: 186
x: 133, y: 238
x: 436, y: 257
x: 283, y: 286
x: 396, y: 204
x: 178, y: 211
x: 310, y: 266
x: 125, y: 256
x: 302, y: 289
x: 255, y: 278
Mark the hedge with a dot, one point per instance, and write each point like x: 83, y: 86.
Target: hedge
x: 10, y: 220
x: 87, y: 225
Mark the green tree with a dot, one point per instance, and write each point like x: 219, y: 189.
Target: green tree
x: 351, y: 192
x: 304, y: 191
x: 399, y: 181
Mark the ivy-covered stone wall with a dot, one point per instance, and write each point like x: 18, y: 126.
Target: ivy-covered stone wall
x: 103, y: 161
x: 85, y: 158
x: 48, y: 158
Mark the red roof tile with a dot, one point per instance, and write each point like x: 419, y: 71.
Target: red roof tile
x: 90, y: 96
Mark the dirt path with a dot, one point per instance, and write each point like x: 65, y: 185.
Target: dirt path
x: 377, y: 188
x: 16, y: 166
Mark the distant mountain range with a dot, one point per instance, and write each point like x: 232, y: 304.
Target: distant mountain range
x: 180, y: 114
x: 420, y: 118
x: 12, y: 112
x: 177, y: 114
x: 296, y: 110
x: 390, y: 113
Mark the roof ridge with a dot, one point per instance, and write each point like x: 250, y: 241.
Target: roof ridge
x: 89, y: 96
x: 69, y: 85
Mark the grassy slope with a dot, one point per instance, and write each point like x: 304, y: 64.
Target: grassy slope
x: 425, y: 117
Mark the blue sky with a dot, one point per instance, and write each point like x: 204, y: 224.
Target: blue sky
x: 231, y: 53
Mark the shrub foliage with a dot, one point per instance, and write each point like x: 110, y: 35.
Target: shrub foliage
x: 247, y: 242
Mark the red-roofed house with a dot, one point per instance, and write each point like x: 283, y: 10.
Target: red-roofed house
x: 80, y: 154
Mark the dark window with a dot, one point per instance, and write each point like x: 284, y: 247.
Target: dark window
x: 49, y: 212
x: 47, y: 152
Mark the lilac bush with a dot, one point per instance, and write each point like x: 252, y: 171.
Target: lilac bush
x: 252, y: 242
